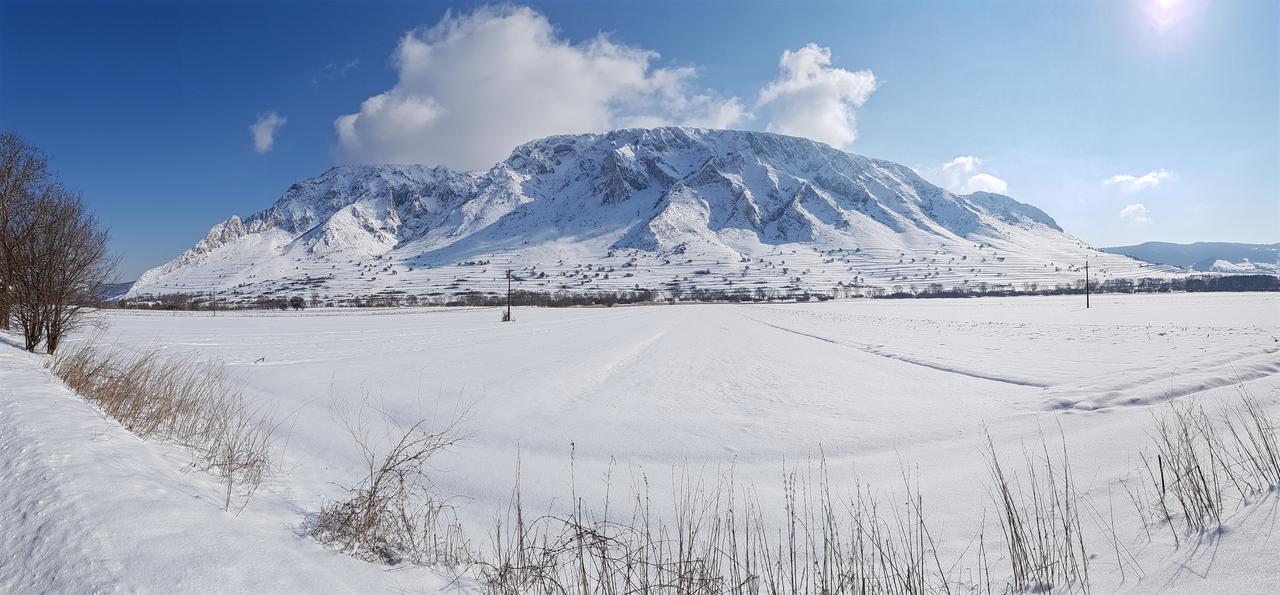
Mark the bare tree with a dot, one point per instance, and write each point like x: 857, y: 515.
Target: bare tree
x: 23, y: 290
x: 24, y: 174
x: 76, y: 268
x: 54, y: 254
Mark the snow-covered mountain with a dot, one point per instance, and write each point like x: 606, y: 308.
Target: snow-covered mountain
x: 1245, y: 266
x: 650, y: 208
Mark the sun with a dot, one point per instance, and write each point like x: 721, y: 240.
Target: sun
x: 1165, y: 13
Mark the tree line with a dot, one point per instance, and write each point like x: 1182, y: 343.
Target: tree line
x: 566, y: 298
x: 54, y: 258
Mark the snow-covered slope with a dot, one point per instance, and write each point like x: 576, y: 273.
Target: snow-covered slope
x: 1245, y: 266
x: 650, y: 208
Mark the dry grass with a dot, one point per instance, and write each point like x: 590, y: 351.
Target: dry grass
x: 178, y: 398
x: 713, y: 536
x: 1200, y: 462
x: 392, y: 514
x: 715, y: 539
x: 1039, y: 517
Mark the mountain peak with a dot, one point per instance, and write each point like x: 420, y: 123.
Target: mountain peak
x: 644, y: 204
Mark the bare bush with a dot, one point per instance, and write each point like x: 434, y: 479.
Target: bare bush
x: 175, y: 397
x: 392, y: 515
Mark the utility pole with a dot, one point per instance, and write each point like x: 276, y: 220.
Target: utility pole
x: 506, y: 316
x: 1086, y: 283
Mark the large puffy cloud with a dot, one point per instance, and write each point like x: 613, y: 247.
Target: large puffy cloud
x: 264, y: 131
x: 474, y: 86
x: 964, y: 175
x: 810, y: 98
x: 1131, y: 183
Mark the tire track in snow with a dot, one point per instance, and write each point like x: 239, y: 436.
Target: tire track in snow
x: 869, y: 349
x: 1139, y: 387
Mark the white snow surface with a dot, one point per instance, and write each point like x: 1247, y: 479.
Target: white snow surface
x: 87, y: 507
x: 1245, y: 266
x: 639, y: 208
x: 873, y: 385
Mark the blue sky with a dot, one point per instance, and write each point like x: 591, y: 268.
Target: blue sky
x: 1126, y: 121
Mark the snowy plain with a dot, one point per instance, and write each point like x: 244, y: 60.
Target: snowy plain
x: 659, y: 392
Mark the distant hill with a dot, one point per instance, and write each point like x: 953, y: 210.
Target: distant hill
x: 1226, y: 257
x: 114, y: 291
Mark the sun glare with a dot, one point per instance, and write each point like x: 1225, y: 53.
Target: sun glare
x: 1167, y: 13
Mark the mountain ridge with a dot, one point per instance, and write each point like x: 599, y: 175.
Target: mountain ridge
x: 1206, y: 256
x: 644, y: 198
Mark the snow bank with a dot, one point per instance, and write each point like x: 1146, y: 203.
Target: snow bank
x: 87, y: 507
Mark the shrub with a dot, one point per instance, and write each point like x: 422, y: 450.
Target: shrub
x: 391, y: 515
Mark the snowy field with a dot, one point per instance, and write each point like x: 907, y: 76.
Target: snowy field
x: 657, y: 392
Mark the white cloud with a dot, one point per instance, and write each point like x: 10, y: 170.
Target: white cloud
x: 1136, y: 213
x: 1128, y: 183
x: 264, y: 131
x: 335, y: 70
x: 963, y: 175
x: 812, y: 99
x: 474, y: 86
